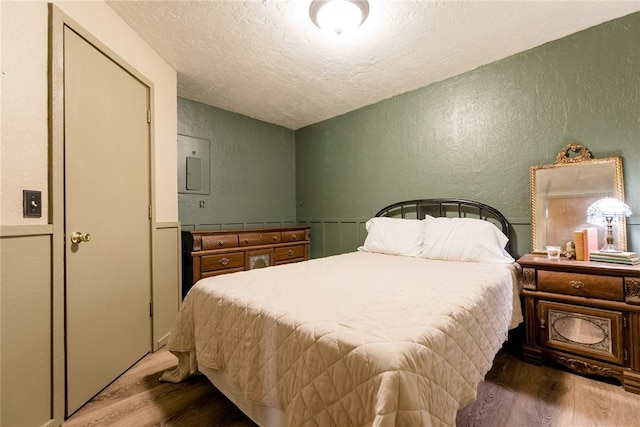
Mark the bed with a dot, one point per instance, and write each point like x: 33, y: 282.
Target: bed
x: 399, y: 332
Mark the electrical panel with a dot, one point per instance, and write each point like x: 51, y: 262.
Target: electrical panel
x: 193, y: 165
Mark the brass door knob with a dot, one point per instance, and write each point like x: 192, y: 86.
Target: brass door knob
x: 78, y: 237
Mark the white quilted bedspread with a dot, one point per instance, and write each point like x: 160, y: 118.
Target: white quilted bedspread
x: 353, y: 340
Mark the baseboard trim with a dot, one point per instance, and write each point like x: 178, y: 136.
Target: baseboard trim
x: 162, y: 341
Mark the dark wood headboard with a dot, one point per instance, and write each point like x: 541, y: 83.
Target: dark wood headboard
x: 418, y: 209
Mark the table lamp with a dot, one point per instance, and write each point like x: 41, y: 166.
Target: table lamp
x: 605, y: 211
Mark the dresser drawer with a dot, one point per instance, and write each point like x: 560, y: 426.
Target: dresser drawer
x: 290, y: 253
x: 255, y: 239
x: 222, y: 262
x: 293, y: 236
x: 583, y: 285
x: 219, y: 242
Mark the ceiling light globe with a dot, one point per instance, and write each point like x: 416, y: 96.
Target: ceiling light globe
x: 338, y: 16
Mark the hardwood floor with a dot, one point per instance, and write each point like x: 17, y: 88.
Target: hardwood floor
x: 139, y: 399
x: 514, y: 394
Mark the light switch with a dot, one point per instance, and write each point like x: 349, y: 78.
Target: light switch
x: 194, y: 173
x: 31, y: 204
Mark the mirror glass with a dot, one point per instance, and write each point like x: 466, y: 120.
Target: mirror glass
x: 561, y: 193
x: 579, y: 330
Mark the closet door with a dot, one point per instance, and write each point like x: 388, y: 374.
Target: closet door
x: 107, y: 226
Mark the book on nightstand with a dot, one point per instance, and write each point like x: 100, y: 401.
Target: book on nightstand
x: 578, y: 241
x: 590, y: 236
x: 629, y: 258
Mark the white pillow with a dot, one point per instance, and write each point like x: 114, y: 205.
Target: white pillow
x: 394, y: 236
x: 464, y: 239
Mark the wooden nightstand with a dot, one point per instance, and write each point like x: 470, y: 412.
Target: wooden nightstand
x: 583, y: 315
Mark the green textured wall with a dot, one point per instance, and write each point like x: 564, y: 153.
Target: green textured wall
x: 476, y: 136
x: 252, y: 170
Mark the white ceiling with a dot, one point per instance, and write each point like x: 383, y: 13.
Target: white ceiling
x: 266, y: 60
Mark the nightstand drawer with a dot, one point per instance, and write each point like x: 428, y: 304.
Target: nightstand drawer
x: 222, y: 262
x: 584, y: 331
x: 583, y: 285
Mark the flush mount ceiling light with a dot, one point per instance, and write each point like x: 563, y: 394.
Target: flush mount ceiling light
x: 338, y: 16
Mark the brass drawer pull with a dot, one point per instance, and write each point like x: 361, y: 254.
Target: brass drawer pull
x: 576, y: 284
x: 290, y: 252
x: 295, y: 237
x: 220, y: 243
x: 246, y: 240
x: 224, y: 261
x: 275, y: 238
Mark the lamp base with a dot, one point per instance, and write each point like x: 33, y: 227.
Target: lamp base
x: 610, y: 247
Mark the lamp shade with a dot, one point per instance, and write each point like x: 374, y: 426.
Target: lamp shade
x: 604, y: 211
x: 608, y: 207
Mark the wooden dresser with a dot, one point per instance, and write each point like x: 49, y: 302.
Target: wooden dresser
x: 583, y: 315
x: 207, y: 253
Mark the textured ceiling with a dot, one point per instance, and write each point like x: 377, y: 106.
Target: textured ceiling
x: 266, y: 60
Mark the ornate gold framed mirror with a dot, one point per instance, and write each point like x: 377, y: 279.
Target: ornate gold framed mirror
x: 562, y: 191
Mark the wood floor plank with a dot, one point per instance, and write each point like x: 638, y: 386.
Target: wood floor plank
x: 514, y: 394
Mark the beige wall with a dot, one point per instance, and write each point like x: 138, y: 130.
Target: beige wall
x: 23, y: 148
x: 23, y: 151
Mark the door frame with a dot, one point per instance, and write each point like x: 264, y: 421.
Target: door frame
x: 57, y: 21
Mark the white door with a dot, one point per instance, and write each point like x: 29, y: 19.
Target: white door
x: 108, y: 270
